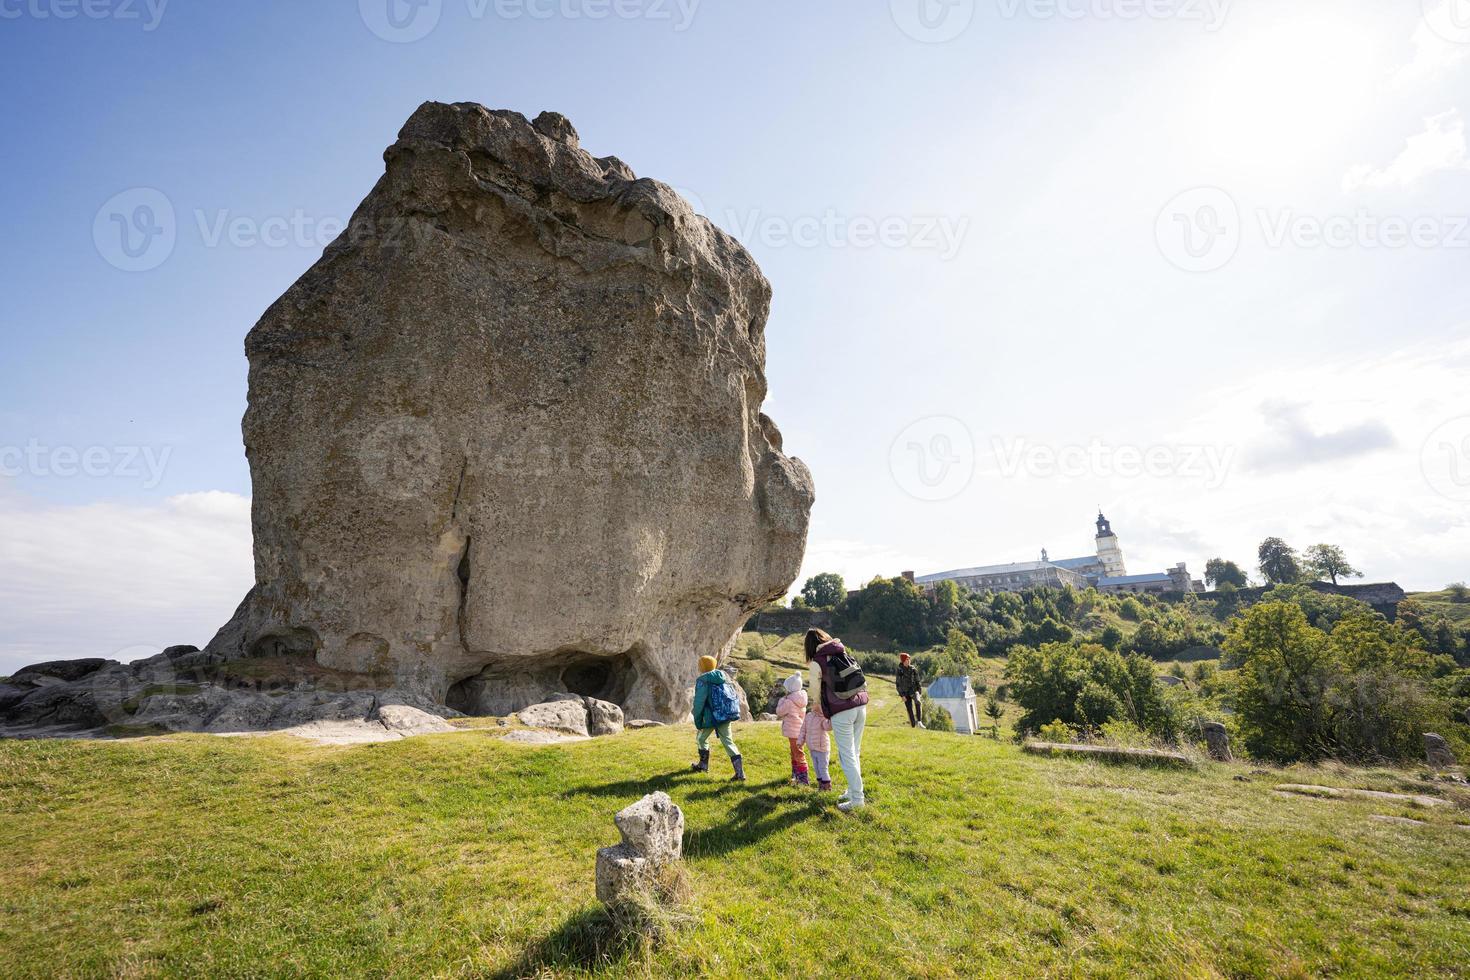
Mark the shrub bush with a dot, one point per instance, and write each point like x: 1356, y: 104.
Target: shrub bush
x: 878, y: 662
x: 1056, y: 731
x: 758, y: 683
x: 935, y: 718
x: 1085, y: 685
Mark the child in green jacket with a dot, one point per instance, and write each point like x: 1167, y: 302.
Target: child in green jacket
x: 710, y: 677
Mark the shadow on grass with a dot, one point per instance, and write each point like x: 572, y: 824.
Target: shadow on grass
x: 755, y: 817
x: 637, y: 788
x: 588, y: 939
x: 760, y: 811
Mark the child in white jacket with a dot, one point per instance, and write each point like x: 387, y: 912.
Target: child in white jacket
x: 791, y: 710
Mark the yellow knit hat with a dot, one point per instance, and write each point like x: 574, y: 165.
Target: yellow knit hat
x: 707, y: 664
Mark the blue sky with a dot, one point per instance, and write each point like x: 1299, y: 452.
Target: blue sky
x: 1199, y: 262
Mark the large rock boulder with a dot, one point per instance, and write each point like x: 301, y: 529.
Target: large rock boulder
x: 603, y: 718
x: 567, y: 715
x: 505, y: 436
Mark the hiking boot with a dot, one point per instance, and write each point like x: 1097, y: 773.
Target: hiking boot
x: 739, y: 765
x: 703, y: 764
x: 824, y: 785
x: 801, y: 779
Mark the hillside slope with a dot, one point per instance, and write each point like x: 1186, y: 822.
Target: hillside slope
x: 464, y: 855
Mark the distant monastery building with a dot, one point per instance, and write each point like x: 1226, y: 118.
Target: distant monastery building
x: 1103, y: 571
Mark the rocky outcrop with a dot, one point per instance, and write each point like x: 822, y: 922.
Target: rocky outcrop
x: 186, y: 690
x: 506, y: 441
x: 505, y: 436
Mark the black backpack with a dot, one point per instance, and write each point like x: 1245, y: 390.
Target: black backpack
x: 844, y: 677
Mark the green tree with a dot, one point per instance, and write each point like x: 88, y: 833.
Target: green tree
x: 1285, y: 675
x: 961, y: 649
x: 1278, y: 562
x: 993, y: 711
x: 946, y: 599
x: 1328, y: 561
x: 1219, y: 571
x: 824, y: 590
x: 1084, y: 685
x: 896, y: 608
x: 1111, y: 637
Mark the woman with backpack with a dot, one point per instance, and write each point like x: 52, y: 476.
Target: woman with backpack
x: 715, y: 706
x: 843, y: 700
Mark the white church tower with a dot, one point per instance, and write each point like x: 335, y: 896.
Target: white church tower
x: 1108, y: 551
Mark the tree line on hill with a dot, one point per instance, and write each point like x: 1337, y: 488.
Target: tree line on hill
x: 1296, y: 674
x: 1280, y: 564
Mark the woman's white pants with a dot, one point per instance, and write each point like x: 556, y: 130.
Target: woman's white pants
x: 847, y: 732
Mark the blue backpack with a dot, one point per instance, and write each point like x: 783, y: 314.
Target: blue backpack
x: 723, y: 702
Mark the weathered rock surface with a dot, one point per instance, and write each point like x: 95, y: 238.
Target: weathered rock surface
x: 653, y: 837
x: 603, y: 718
x: 63, y: 671
x: 411, y: 721
x: 1217, y: 741
x: 1437, y: 752
x: 186, y: 690
x: 506, y: 441
x: 569, y: 715
x: 574, y: 715
x: 505, y: 436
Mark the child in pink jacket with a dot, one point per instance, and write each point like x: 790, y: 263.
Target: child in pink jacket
x: 791, y: 709
x: 814, y: 736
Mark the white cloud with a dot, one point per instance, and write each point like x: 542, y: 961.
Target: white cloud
x: 1296, y: 442
x: 1364, y: 421
x: 119, y: 580
x: 1439, y: 42
x: 1440, y: 147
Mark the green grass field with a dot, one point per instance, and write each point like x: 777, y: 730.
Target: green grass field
x: 464, y: 855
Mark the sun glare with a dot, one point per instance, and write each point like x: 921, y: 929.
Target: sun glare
x: 1291, y: 87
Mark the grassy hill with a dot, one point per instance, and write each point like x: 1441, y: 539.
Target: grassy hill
x: 1445, y: 603
x: 465, y: 855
